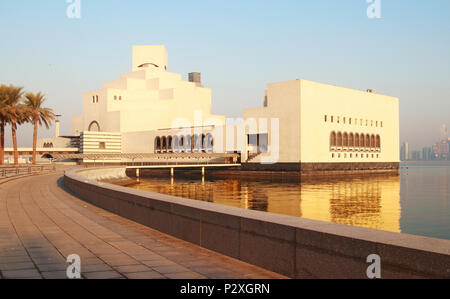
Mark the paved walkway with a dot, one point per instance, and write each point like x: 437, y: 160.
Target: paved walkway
x: 41, y: 224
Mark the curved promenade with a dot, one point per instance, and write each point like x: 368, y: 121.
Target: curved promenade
x: 41, y: 224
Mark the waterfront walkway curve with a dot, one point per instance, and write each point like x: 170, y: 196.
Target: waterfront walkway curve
x: 41, y: 224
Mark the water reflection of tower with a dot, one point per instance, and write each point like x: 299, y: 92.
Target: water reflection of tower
x: 356, y: 203
x: 259, y: 200
x: 372, y: 202
x: 251, y: 197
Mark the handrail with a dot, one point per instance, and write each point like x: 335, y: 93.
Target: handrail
x: 12, y: 171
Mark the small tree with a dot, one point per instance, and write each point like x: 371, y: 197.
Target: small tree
x: 16, y: 114
x: 37, y: 115
x: 3, y: 119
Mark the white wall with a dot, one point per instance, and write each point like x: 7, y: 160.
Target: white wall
x: 318, y: 100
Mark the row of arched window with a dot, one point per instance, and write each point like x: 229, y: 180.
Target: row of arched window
x: 197, y: 143
x: 48, y: 145
x: 354, y: 142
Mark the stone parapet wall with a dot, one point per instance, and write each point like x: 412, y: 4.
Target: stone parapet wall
x: 291, y: 246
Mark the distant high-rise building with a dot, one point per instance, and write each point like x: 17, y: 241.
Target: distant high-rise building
x: 444, y: 135
x: 404, y: 152
x: 448, y: 142
x: 416, y: 156
x: 427, y: 153
x: 441, y: 150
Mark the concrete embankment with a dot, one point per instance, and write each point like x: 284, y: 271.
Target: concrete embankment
x: 291, y: 246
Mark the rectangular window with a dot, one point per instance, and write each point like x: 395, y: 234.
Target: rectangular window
x: 258, y: 143
x: 102, y: 145
x: 263, y: 143
x: 350, y: 121
x: 381, y: 124
x: 332, y: 119
x: 344, y: 120
x: 325, y: 118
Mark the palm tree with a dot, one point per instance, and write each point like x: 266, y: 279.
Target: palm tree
x: 3, y: 119
x: 16, y: 114
x: 38, y: 115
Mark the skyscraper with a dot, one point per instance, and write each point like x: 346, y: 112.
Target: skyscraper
x: 427, y: 153
x: 444, y: 135
x: 404, y: 152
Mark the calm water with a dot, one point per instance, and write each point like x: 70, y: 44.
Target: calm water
x: 415, y: 202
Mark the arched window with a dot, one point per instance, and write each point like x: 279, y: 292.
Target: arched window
x: 351, y: 140
x: 181, y: 144
x: 164, y: 144
x: 339, y: 139
x: 196, y: 143
x: 94, y: 127
x: 372, y: 141
x: 362, y: 142
x: 175, y: 144
x: 333, y: 139
x: 357, y: 140
x: 170, y: 144
x: 378, y: 145
x: 157, y: 144
x: 367, y: 141
x: 209, y: 143
x: 203, y: 143
x: 188, y: 143
x: 345, y: 140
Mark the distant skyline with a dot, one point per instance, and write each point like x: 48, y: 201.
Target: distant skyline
x: 239, y: 47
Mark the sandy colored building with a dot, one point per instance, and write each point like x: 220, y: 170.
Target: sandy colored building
x: 324, y: 127
x: 303, y: 126
x: 149, y: 98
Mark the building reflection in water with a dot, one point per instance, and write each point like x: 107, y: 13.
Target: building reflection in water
x: 372, y: 202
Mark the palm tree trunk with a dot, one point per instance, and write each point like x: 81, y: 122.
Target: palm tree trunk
x: 14, y: 138
x: 35, y: 137
x: 2, y: 143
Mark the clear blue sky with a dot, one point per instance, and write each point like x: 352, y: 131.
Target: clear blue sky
x: 239, y: 46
